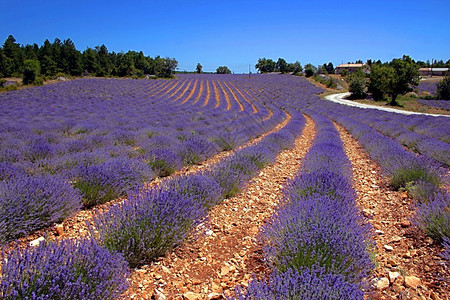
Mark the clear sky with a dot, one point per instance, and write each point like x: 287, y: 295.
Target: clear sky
x: 237, y: 33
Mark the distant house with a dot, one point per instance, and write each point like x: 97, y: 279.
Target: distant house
x: 350, y: 68
x: 433, y: 71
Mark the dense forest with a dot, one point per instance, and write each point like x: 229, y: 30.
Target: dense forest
x: 62, y: 57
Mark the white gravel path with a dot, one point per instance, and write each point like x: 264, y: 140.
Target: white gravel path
x: 338, y: 98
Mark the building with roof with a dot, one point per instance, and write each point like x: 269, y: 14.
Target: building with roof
x: 433, y: 71
x: 351, y: 68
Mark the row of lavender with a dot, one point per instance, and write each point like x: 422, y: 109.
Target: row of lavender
x: 143, y: 227
x: 444, y: 104
x: 85, y: 142
x: 424, y: 177
x: 317, y: 241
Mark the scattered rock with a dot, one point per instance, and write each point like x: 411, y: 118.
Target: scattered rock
x: 215, y: 296
x: 382, y: 283
x: 388, y: 248
x: 191, y: 296
x: 37, y: 241
x: 196, y: 281
x: 396, y: 239
x: 412, y: 282
x: 158, y: 295
x: 59, y: 229
x: 405, y: 223
x: 393, y: 276
x: 224, y: 271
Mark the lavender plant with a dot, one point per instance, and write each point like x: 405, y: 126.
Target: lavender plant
x: 203, y: 189
x: 31, y: 203
x: 66, y: 270
x: 150, y: 223
x: 313, y: 284
x: 433, y: 216
x: 106, y: 181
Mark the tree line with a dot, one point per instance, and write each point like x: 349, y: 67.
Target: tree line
x: 62, y: 57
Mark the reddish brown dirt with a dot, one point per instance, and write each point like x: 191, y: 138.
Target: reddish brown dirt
x: 390, y: 212
x: 224, y: 252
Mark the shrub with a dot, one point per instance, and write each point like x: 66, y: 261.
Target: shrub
x: 203, y: 189
x: 357, y: 84
x: 148, y: 224
x: 434, y: 216
x: 318, y: 231
x: 163, y: 162
x: 443, y: 89
x: 31, y: 203
x: 260, y: 156
x: 106, y: 181
x: 66, y: 270
x: 194, y: 150
x: 31, y: 72
x: 446, y: 253
x: 305, y: 284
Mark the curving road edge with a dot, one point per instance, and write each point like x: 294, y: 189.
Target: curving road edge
x: 338, y: 98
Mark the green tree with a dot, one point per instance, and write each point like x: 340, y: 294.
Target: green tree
x: 406, y: 77
x: 223, y: 70
x: 31, y: 72
x: 281, y: 65
x: 443, y: 89
x: 396, y: 78
x: 310, y: 70
x: 199, y: 68
x: 357, y: 84
x: 13, y: 62
x: 381, y: 77
x: 164, y: 67
x: 295, y: 68
x: 265, y: 65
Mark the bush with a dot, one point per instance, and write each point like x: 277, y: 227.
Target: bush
x: 31, y: 72
x: 203, y: 189
x: 148, y: 224
x: 357, y: 84
x: 68, y: 270
x: 434, y: 216
x: 163, y: 162
x: 443, y: 89
x: 106, y: 181
x: 318, y: 231
x: 305, y: 284
x: 31, y: 203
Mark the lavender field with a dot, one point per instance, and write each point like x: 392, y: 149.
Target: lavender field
x: 76, y: 145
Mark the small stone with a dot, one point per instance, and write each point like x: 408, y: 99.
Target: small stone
x: 215, y: 296
x: 393, y: 276
x: 59, y: 229
x: 405, y: 223
x: 407, y: 254
x: 388, y: 248
x: 412, y: 282
x: 382, y: 283
x: 379, y: 232
x: 196, y: 281
x: 392, y: 262
x: 37, y: 241
x: 224, y: 271
x: 157, y: 295
x: 435, y: 296
x: 191, y: 296
x: 396, y: 238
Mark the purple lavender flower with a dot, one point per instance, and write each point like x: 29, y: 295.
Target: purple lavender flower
x: 106, y: 181
x: 305, y: 284
x: 31, y: 203
x: 66, y: 270
x: 433, y: 216
x: 148, y: 224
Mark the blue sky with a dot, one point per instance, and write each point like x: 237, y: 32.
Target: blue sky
x: 237, y: 33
